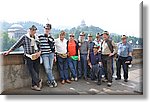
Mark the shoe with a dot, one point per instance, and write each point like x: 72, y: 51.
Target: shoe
x: 54, y: 83
x: 75, y: 79
x: 93, y: 79
x: 104, y: 80
x: 35, y: 88
x: 49, y: 84
x: 40, y: 83
x: 117, y: 78
x: 63, y: 82
x: 85, y: 78
x: 125, y: 80
x: 72, y: 79
x: 79, y: 77
x: 109, y: 84
x: 99, y: 82
x: 68, y: 81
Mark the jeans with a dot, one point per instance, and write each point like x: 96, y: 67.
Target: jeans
x: 33, y: 67
x: 72, y: 65
x: 96, y: 72
x: 121, y: 61
x: 82, y: 65
x: 63, y: 68
x: 107, y: 64
x: 48, y: 65
x: 112, y: 66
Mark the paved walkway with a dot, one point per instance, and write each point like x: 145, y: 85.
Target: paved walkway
x: 82, y: 87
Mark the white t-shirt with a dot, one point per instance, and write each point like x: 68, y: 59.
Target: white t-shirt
x: 61, y: 46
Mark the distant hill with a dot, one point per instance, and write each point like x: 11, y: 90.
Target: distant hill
x: 54, y: 31
x: 76, y: 30
x: 26, y: 25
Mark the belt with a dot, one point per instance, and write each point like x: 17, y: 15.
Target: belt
x: 105, y: 54
x: 94, y: 64
x: 122, y: 57
x: 83, y: 54
x: 62, y: 55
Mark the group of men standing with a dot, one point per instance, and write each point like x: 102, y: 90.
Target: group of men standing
x: 75, y: 58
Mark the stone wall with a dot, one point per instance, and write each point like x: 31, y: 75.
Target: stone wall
x: 15, y: 74
x: 137, y: 56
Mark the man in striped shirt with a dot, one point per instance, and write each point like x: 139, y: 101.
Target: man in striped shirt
x: 47, y: 50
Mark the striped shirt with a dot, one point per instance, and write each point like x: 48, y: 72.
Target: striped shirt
x: 26, y: 43
x: 46, y: 44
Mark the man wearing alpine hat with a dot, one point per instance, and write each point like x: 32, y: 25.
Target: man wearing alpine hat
x: 124, y: 58
x: 32, y: 53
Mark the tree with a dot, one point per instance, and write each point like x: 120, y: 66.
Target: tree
x: 6, y: 41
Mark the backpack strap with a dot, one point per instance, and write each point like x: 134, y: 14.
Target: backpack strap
x: 109, y: 43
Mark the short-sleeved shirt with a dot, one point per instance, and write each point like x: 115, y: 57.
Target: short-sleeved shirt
x: 61, y: 46
x: 97, y: 42
x: 105, y: 48
x: 124, y: 49
x: 72, y: 48
x: 95, y: 59
x: 91, y: 45
x: 46, y: 43
x: 84, y: 48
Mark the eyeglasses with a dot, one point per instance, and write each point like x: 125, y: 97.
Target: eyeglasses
x: 82, y: 35
x: 71, y: 36
x: 47, y: 28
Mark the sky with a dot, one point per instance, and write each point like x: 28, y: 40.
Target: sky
x: 115, y: 16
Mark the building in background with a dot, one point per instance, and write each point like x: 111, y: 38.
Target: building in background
x: 16, y: 31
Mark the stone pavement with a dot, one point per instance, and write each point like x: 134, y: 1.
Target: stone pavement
x: 82, y: 87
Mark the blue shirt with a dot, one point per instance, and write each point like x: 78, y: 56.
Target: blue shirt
x: 91, y: 45
x: 124, y: 49
x: 95, y: 59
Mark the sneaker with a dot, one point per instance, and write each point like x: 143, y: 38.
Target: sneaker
x: 49, y: 84
x: 99, y: 82
x: 35, y: 88
x: 109, y: 84
x: 54, y: 83
x: 104, y: 80
x: 40, y: 83
x: 72, y: 79
x: 75, y: 79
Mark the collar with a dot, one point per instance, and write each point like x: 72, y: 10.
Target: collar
x: 47, y: 35
x: 30, y: 37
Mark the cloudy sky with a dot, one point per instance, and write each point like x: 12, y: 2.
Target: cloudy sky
x: 116, y: 16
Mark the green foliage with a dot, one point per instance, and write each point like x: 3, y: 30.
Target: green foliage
x: 6, y: 41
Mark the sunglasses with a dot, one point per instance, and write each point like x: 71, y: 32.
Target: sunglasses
x: 47, y: 28
x: 82, y: 35
x: 33, y: 29
x: 71, y: 36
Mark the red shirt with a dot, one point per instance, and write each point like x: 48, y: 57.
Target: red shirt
x: 72, y: 48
